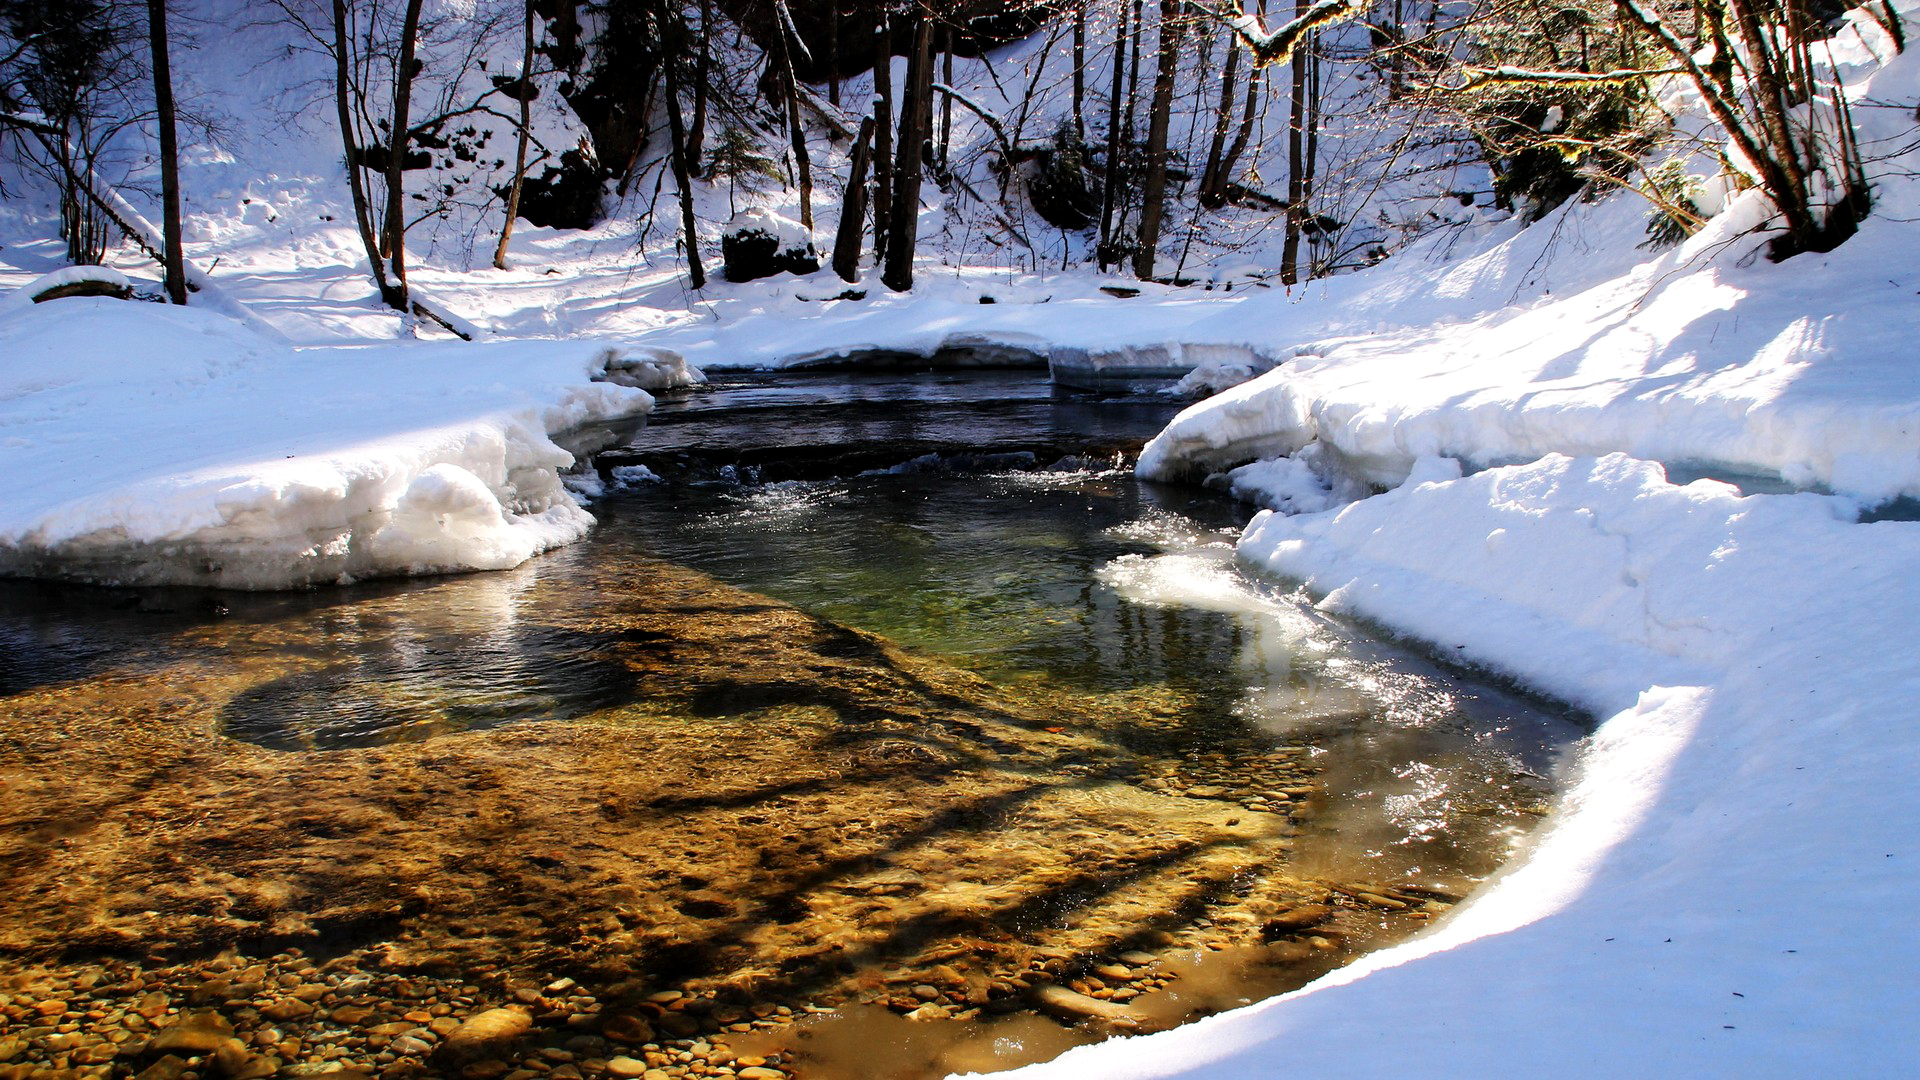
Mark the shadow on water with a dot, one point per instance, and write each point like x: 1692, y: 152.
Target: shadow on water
x: 385, y: 692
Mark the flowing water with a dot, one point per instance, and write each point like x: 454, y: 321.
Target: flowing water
x: 880, y: 715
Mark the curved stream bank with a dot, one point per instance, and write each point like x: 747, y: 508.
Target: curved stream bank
x: 948, y: 766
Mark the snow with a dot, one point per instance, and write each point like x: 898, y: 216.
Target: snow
x: 150, y: 444
x: 1474, y: 444
x: 70, y: 275
x: 1691, y: 908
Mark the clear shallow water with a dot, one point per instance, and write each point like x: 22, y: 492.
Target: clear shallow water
x: 1216, y: 753
x: 1086, y: 579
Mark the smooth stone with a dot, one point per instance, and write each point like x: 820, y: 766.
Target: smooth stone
x: 484, y: 1032
x: 167, y: 1068
x: 1071, y: 1005
x: 760, y: 1072
x: 1298, y: 919
x: 194, y: 1035
x: 287, y: 1009
x: 627, y: 1028
x: 626, y: 1066
x: 1137, y: 958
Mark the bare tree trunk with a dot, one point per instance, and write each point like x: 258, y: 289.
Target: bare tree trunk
x: 1133, y: 63
x: 396, y: 223
x: 520, y: 148
x: 833, y: 54
x: 362, y: 204
x: 882, y: 134
x: 1153, y: 197
x: 1296, y: 164
x: 946, y: 103
x: 853, y: 212
x: 673, y: 36
x: 796, y: 129
x: 916, y: 122
x: 1109, y: 187
x: 1080, y: 71
x: 702, y: 66
x: 169, y: 152
x: 1212, y: 179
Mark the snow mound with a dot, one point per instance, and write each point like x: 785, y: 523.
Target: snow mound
x: 67, y: 278
x: 147, y: 444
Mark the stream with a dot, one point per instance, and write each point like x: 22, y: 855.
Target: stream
x: 886, y: 726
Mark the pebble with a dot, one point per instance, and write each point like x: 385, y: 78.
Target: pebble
x: 760, y: 1072
x: 626, y: 1067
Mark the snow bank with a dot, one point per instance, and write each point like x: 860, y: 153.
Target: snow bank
x: 148, y: 444
x: 1796, y: 372
x: 1695, y: 905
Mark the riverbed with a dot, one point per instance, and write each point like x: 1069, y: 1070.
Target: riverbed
x: 885, y: 726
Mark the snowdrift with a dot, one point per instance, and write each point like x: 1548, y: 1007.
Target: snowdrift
x: 145, y: 445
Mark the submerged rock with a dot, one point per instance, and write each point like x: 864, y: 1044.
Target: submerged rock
x: 485, y: 1034
x: 1072, y: 1005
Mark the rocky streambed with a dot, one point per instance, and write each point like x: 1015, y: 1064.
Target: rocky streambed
x: 758, y: 825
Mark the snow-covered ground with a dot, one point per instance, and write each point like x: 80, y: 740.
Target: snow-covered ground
x: 1480, y: 444
x: 148, y: 444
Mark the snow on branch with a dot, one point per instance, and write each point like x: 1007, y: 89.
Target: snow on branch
x: 34, y: 124
x: 974, y: 107
x: 1508, y: 75
x: 1277, y: 46
x: 799, y: 43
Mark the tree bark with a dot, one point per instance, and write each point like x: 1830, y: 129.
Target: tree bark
x: 396, y: 223
x: 1153, y: 197
x: 520, y: 147
x: 1296, y: 164
x: 796, y: 129
x: 1110, y: 184
x: 916, y: 121
x: 853, y: 212
x: 1080, y: 71
x: 833, y: 54
x: 176, y: 277
x: 677, y: 142
x: 882, y: 133
x: 362, y: 203
x: 946, y: 103
x: 702, y: 66
x: 1212, y: 180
